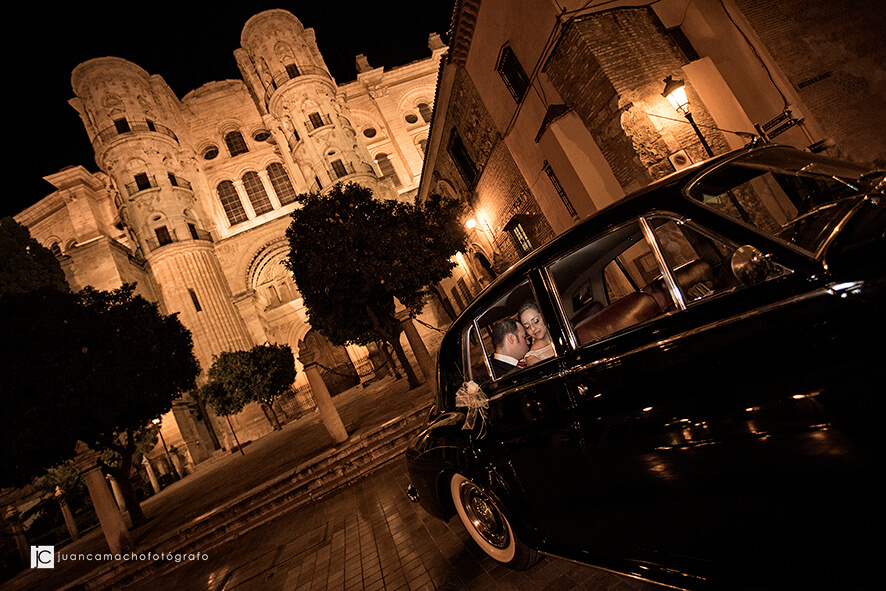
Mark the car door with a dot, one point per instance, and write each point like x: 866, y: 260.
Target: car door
x: 529, y: 436
x: 702, y: 421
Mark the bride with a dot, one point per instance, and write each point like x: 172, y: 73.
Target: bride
x: 542, y: 347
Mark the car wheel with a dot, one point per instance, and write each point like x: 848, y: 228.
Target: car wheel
x: 488, y: 525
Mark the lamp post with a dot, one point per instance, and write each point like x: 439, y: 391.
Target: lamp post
x: 675, y: 92
x: 166, y: 449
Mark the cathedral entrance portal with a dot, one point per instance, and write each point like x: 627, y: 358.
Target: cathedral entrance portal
x: 335, y: 365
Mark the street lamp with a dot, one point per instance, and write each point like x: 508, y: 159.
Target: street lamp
x: 675, y: 92
x: 166, y: 449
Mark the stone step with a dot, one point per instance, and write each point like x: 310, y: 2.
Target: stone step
x: 318, y: 477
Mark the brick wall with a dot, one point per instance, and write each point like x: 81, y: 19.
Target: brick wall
x: 610, y: 68
x: 500, y: 191
x: 834, y: 56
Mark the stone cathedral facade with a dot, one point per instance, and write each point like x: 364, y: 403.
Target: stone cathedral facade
x: 194, y: 194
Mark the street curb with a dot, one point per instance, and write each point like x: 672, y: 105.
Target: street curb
x: 316, y: 478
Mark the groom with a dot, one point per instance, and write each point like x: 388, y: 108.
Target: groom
x: 509, y: 341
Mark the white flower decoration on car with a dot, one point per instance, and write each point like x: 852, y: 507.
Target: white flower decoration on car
x: 472, y: 397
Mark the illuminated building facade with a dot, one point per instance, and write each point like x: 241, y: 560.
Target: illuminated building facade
x: 194, y: 194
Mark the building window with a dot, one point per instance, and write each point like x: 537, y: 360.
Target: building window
x: 142, y: 181
x: 411, y: 118
x: 423, y: 146
x: 458, y: 301
x: 565, y: 198
x: 387, y: 169
x: 518, y: 234
x: 258, y: 197
x: 210, y: 152
x: 316, y: 120
x: 231, y: 203
x: 192, y: 230
x: 163, y: 236
x: 194, y: 300
x: 425, y: 111
x: 151, y: 125
x: 369, y: 132
x: 122, y: 125
x: 236, y: 144
x: 172, y: 180
x: 462, y: 159
x: 512, y: 73
x: 338, y: 169
x: 281, y: 183
x: 292, y: 70
x: 463, y: 288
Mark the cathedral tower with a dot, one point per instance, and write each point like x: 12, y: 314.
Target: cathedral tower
x: 302, y: 105
x: 133, y: 121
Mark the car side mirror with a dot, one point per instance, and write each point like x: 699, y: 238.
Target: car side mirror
x: 750, y: 266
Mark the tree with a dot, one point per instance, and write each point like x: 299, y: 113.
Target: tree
x: 224, y: 403
x: 93, y: 366
x: 351, y: 255
x: 259, y: 375
x: 25, y: 265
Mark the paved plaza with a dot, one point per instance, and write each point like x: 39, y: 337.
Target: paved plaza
x: 369, y: 536
x: 358, y: 531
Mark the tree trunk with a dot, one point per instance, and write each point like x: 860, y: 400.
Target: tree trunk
x: 383, y: 345
x: 407, y: 368
x: 388, y: 328
x: 121, y: 474
x: 271, y: 416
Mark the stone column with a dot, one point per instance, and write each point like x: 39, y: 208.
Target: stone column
x: 66, y: 512
x: 13, y: 518
x: 328, y: 413
x: 109, y: 516
x: 149, y: 468
x: 425, y: 363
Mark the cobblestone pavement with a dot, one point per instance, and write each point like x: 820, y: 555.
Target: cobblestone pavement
x: 369, y: 536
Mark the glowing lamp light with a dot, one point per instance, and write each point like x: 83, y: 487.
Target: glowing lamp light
x: 471, y: 223
x: 675, y: 92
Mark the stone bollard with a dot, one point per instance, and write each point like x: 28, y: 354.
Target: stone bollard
x: 66, y: 513
x: 328, y: 413
x: 13, y: 518
x: 149, y: 468
x: 106, y: 508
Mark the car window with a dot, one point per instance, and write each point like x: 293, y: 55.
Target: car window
x: 615, y: 281
x: 777, y: 184
x: 498, y: 339
x: 600, y: 285
x: 699, y: 261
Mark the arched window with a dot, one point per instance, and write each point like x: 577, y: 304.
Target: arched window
x: 235, y: 142
x: 425, y: 111
x: 258, y: 197
x: 281, y: 183
x: 230, y: 201
x: 387, y: 169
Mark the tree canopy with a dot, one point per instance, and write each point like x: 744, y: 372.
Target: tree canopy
x: 259, y: 375
x: 94, y: 366
x: 352, y: 254
x: 25, y: 265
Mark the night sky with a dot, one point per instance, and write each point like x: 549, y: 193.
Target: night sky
x: 188, y: 47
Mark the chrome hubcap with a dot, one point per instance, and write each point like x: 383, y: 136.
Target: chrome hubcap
x: 483, y: 514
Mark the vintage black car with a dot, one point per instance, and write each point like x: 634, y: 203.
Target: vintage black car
x: 713, y: 414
